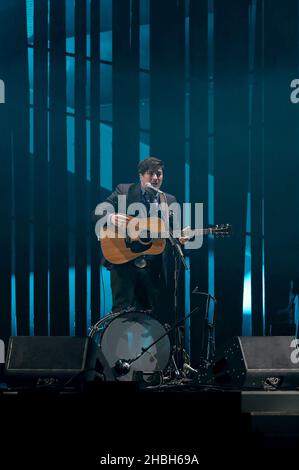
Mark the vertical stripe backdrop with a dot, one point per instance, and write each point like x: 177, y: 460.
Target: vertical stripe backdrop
x: 92, y: 87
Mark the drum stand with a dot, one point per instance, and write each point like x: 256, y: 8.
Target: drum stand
x: 207, y: 354
x: 180, y: 362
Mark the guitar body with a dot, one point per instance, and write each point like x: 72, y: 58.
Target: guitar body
x: 120, y: 250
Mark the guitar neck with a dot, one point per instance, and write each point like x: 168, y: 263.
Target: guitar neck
x: 203, y: 231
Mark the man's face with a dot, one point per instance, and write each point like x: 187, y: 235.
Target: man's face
x: 154, y: 177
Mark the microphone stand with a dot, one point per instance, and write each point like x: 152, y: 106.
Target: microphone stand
x: 144, y: 350
x: 178, y: 340
x: 179, y: 259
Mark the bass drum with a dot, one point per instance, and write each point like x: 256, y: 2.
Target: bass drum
x: 125, y: 335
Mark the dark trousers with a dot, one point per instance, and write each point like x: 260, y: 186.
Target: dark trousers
x: 141, y: 288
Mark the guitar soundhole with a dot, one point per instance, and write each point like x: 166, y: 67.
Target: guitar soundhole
x: 145, y: 238
x: 144, y: 243
x: 138, y: 247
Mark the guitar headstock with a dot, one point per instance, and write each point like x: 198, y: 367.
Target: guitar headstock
x: 222, y: 231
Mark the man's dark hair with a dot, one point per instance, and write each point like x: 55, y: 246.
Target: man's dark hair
x: 150, y: 163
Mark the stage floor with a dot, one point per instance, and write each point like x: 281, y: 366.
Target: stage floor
x: 119, y: 419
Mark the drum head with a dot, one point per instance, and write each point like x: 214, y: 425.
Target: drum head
x: 125, y: 337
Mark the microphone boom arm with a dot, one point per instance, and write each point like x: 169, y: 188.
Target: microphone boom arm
x: 144, y: 350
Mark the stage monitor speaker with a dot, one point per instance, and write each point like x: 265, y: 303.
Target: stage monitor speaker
x: 59, y: 359
x: 258, y: 362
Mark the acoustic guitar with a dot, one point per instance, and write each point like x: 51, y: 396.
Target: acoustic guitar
x: 119, y: 248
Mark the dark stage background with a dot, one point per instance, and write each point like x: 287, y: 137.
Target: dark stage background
x: 92, y: 87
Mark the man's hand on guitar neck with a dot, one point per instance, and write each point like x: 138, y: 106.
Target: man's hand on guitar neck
x: 185, y: 236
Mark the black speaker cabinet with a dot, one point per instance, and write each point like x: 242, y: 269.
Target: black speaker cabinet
x: 258, y: 361
x: 62, y: 358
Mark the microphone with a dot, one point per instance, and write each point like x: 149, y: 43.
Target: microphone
x: 149, y: 187
x: 122, y: 366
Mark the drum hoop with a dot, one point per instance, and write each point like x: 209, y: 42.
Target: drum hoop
x: 144, y: 313
x: 113, y: 315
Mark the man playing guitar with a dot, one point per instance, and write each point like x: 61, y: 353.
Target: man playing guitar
x: 143, y: 282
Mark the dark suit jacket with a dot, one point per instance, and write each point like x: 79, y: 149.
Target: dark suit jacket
x: 134, y: 194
